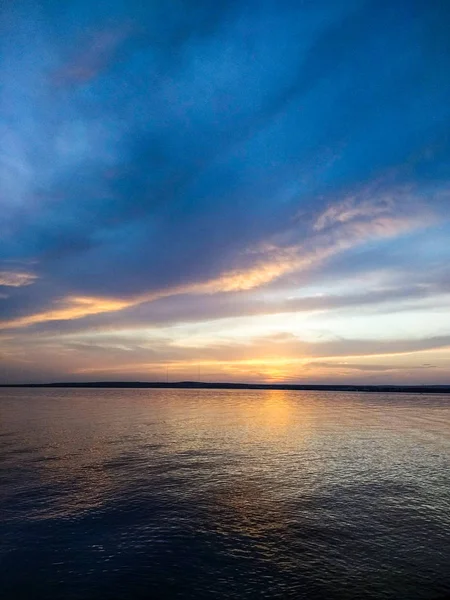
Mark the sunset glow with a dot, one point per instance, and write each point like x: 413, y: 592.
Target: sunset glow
x: 255, y: 195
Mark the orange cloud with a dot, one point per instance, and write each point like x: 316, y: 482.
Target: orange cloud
x: 72, y: 308
x: 277, y: 369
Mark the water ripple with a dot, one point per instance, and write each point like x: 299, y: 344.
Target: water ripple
x: 229, y: 494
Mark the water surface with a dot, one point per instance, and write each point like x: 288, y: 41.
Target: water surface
x: 109, y: 493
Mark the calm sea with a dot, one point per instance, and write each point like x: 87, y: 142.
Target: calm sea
x: 133, y: 494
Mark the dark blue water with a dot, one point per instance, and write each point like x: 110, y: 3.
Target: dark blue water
x: 229, y: 494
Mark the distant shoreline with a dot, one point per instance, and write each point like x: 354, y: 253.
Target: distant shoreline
x: 418, y: 389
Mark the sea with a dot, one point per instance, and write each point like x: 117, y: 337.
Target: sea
x: 169, y: 493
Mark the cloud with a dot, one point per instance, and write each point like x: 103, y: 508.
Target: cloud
x: 67, y: 309
x: 16, y: 278
x: 353, y: 222
x: 348, y: 366
x: 267, y: 359
x: 351, y: 210
x: 267, y: 264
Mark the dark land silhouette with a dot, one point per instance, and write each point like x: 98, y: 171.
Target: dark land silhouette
x: 417, y: 389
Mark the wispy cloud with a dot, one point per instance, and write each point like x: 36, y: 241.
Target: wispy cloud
x: 67, y: 309
x: 16, y: 278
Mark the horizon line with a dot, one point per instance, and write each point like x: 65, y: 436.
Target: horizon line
x: 187, y: 384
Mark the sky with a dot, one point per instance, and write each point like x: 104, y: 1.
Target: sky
x: 225, y: 191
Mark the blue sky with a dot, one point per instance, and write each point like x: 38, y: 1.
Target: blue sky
x: 256, y: 191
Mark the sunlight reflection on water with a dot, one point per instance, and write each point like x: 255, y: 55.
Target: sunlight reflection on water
x: 233, y: 494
